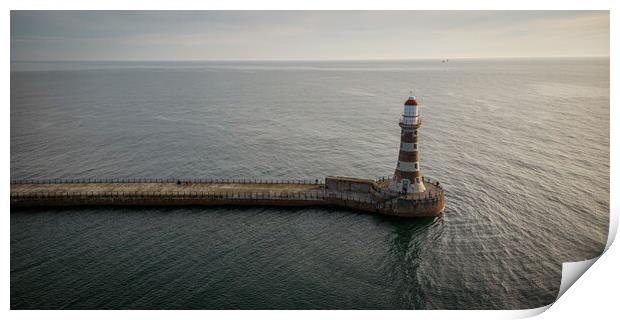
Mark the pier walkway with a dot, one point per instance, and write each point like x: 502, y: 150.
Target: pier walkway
x: 175, y: 192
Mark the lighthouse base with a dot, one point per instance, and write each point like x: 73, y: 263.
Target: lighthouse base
x: 405, y: 186
x: 378, y: 196
x: 429, y: 203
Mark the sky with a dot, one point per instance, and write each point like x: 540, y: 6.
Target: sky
x: 305, y: 35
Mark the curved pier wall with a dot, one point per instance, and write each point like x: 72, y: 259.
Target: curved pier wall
x: 415, y: 208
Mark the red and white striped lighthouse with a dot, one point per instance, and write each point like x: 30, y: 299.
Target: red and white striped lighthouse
x: 407, y: 177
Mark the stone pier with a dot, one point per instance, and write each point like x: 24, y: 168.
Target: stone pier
x: 357, y: 194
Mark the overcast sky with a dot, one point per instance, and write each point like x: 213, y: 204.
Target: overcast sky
x: 305, y: 35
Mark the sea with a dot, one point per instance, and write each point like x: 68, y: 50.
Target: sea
x: 521, y: 147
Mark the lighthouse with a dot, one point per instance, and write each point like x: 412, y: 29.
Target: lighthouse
x: 407, y: 177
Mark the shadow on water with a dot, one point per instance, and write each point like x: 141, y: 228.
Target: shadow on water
x: 411, y: 239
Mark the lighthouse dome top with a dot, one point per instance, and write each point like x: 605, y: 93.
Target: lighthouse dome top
x: 411, y: 101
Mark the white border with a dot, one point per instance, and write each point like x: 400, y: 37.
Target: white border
x: 598, y: 288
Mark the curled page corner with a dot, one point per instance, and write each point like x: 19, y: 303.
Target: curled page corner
x: 571, y: 271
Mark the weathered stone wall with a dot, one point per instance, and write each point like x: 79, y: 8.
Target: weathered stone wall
x: 346, y: 184
x: 162, y: 201
x: 417, y: 208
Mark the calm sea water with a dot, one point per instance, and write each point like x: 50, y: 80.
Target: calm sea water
x: 521, y: 147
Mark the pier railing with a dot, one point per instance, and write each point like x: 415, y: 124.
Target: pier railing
x: 172, y: 180
x: 164, y: 195
x: 436, y: 192
x: 426, y: 179
x: 410, y: 120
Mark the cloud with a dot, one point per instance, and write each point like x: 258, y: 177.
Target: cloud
x: 180, y: 35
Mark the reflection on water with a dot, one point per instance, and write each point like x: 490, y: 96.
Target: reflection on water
x: 408, y: 245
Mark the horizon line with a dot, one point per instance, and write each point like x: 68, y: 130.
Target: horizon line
x: 322, y: 60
